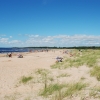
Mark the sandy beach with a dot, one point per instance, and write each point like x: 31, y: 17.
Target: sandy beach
x: 12, y: 69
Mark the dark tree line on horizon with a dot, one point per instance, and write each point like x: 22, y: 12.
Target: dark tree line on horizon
x: 80, y: 47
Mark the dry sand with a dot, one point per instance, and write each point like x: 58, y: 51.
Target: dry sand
x: 12, y: 69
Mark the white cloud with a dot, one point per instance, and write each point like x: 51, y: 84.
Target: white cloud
x: 32, y: 36
x: 4, y: 40
x: 57, y: 40
x: 14, y: 41
x: 65, y: 40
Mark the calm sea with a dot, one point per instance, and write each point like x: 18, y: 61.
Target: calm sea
x: 7, y: 50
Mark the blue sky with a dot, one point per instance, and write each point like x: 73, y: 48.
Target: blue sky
x: 49, y: 23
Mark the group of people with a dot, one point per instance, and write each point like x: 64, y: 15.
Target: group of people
x: 10, y: 55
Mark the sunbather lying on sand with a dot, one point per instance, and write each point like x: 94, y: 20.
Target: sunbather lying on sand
x: 20, y: 56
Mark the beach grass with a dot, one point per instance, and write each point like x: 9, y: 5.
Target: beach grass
x: 95, y: 92
x: 63, y: 75
x: 68, y: 91
x: 61, y: 91
x: 42, y: 71
x: 52, y: 88
x: 74, y: 88
x: 25, y: 79
x: 87, y: 58
x: 82, y: 78
x: 95, y: 71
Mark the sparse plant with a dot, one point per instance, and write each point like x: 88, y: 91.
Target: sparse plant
x: 95, y: 72
x: 26, y: 79
x: 13, y: 96
x: 44, y: 74
x: 28, y: 98
x: 74, y: 88
x: 58, y: 95
x: 57, y: 65
x: 51, y: 79
x: 42, y: 71
x: 52, y: 88
x: 95, y: 92
x: 82, y: 78
x: 63, y: 75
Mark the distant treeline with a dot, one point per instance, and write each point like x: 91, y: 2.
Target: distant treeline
x: 81, y: 47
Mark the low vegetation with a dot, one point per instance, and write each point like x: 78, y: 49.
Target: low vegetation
x: 63, y: 75
x: 95, y: 92
x: 74, y: 88
x: 52, y: 88
x: 26, y: 79
x: 61, y: 91
x: 95, y: 72
x: 88, y: 58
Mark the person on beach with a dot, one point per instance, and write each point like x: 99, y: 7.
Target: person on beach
x: 10, y: 55
x: 20, y: 56
x: 59, y: 59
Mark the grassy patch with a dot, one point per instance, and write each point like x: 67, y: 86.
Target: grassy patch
x: 88, y: 58
x: 58, y: 65
x: 52, y: 88
x: 82, y: 78
x: 61, y: 91
x: 74, y: 88
x: 63, y: 75
x: 26, y: 79
x: 95, y: 72
x: 45, y: 77
x: 95, y: 92
x: 42, y: 72
x: 13, y: 96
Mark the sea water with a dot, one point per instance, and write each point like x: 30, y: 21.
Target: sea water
x: 7, y: 50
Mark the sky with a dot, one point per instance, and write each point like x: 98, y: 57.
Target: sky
x: 61, y: 23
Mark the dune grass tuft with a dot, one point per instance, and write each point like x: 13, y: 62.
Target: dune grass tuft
x: 63, y: 75
x: 95, y: 71
x: 74, y: 88
x: 26, y: 79
x: 52, y: 88
x: 42, y: 71
x: 95, y: 92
